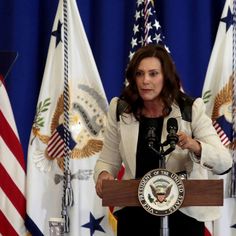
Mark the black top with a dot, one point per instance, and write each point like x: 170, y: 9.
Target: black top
x: 150, y: 130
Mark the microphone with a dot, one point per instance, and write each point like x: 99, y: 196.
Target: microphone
x: 172, y: 128
x: 151, y: 136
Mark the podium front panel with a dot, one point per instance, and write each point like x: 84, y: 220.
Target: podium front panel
x: 197, y: 193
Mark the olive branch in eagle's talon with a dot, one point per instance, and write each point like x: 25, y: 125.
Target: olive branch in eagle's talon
x: 39, y: 119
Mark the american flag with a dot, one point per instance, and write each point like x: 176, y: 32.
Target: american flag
x: 12, y: 171
x: 147, y: 29
x: 56, y: 143
x: 223, y: 136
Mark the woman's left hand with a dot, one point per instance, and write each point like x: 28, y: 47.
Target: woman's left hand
x: 187, y: 142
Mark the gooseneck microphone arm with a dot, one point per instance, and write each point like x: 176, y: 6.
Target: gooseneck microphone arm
x: 171, y: 140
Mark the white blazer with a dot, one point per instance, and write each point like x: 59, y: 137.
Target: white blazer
x: 120, y: 145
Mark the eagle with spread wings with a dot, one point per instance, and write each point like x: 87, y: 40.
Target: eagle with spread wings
x: 161, y: 192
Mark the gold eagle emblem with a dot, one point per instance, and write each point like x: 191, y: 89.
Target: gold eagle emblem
x: 86, y: 145
x: 223, y: 106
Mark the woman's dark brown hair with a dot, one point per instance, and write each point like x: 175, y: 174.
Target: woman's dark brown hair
x: 171, y: 88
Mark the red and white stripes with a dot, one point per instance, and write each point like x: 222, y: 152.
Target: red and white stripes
x: 12, y: 172
x: 223, y: 137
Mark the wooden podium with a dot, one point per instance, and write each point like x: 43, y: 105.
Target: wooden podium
x: 197, y: 193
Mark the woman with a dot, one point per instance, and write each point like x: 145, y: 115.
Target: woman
x: 152, y: 96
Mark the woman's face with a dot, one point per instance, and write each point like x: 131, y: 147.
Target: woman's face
x: 149, y: 79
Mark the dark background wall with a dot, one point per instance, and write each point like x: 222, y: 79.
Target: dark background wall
x: 190, y: 28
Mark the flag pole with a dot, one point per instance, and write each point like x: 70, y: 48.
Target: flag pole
x: 67, y: 199
x: 232, y: 190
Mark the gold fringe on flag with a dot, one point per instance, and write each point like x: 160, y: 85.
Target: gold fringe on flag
x: 112, y: 221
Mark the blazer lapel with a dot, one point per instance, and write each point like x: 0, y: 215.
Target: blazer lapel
x: 129, y: 129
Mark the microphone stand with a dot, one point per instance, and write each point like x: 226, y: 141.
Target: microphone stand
x: 164, y: 223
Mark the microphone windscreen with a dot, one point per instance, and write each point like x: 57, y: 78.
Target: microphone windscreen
x: 172, y: 124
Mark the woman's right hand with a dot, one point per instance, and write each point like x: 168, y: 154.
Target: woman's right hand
x: 104, y: 175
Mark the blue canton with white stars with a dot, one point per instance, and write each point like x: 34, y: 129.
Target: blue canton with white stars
x: 147, y: 29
